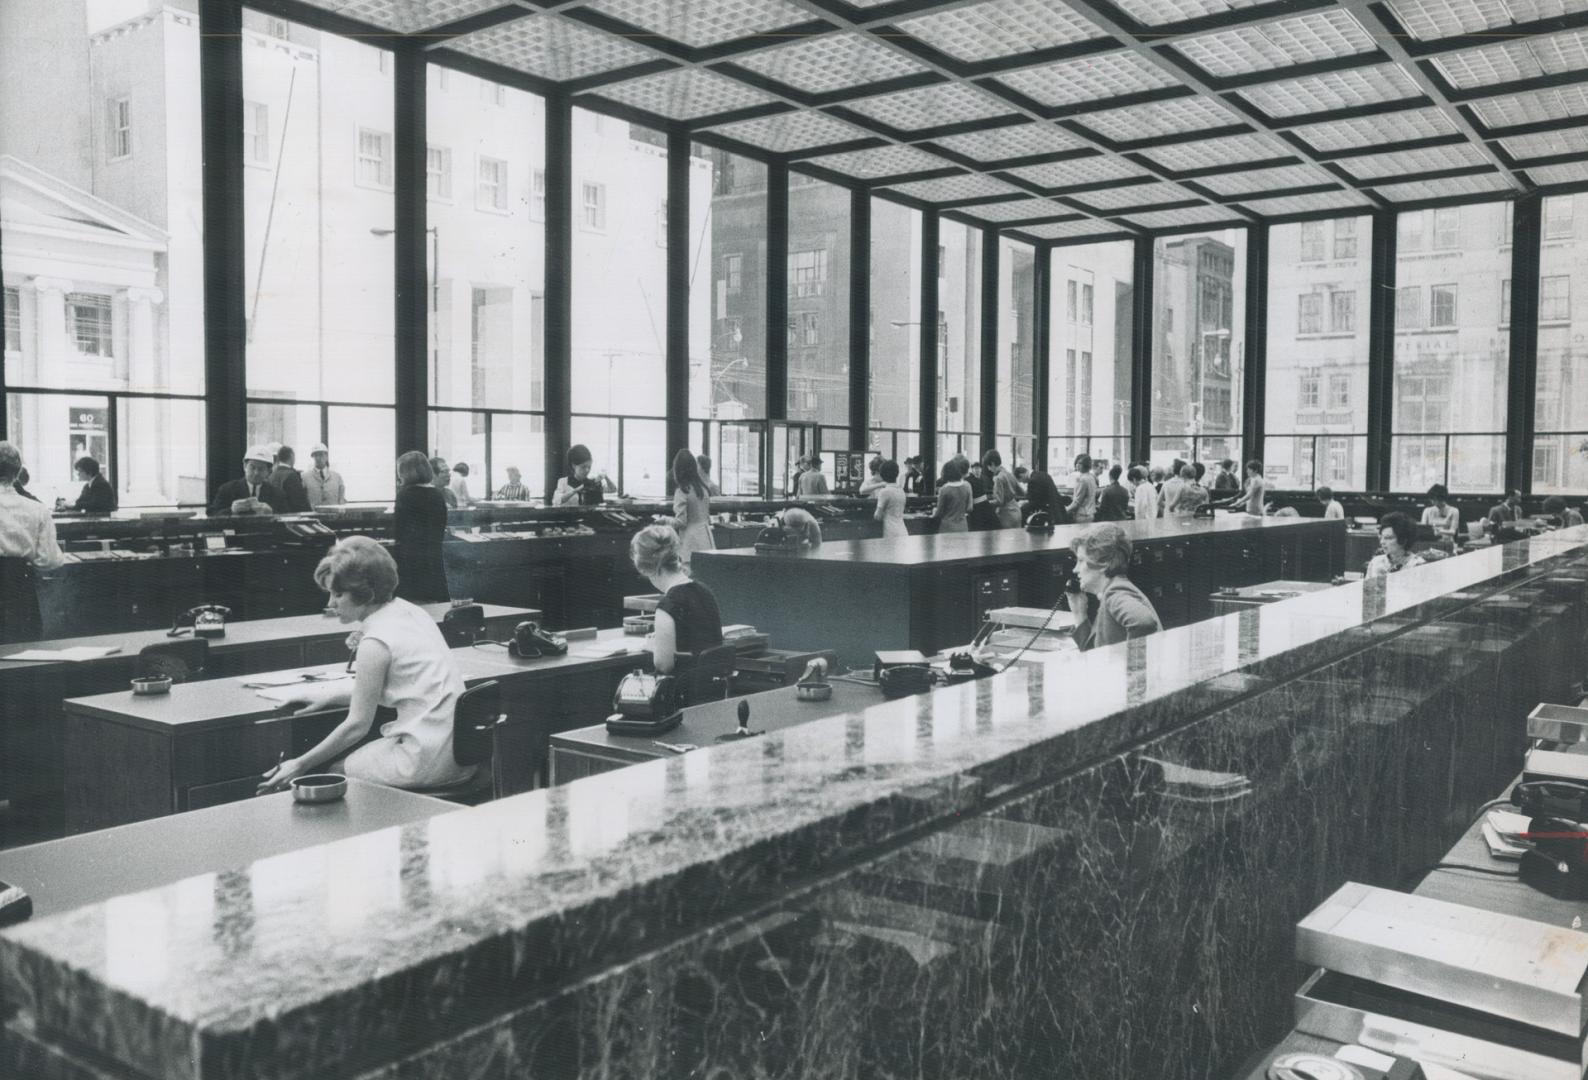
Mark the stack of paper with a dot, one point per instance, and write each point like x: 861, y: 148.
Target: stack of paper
x: 76, y: 652
x: 1500, y: 831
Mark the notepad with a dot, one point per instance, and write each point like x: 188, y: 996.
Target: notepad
x: 76, y: 652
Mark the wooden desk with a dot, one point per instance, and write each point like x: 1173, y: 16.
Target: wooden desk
x: 65, y: 874
x: 589, y: 750
x: 1254, y: 595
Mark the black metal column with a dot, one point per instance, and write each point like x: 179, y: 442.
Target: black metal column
x: 776, y: 291
x: 1520, y: 414
x: 413, y: 281
x: 678, y: 295
x: 989, y: 339
x: 859, y: 319
x: 1041, y: 353
x: 225, y: 285
x: 1381, y: 351
x: 1254, y: 373
x: 1141, y: 350
x: 559, y: 291
x: 928, y: 348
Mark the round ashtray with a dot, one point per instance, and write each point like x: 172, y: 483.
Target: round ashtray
x: 319, y: 787
x: 813, y: 691
x: 638, y: 625
x: 150, y: 685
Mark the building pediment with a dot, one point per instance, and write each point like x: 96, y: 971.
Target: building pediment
x: 33, y: 201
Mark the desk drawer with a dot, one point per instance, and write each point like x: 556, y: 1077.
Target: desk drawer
x: 197, y: 798
x: 247, y: 750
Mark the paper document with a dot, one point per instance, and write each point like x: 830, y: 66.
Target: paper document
x: 77, y: 652
x: 319, y: 695
x: 598, y: 650
x: 294, y: 678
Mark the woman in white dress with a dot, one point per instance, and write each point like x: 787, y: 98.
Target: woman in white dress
x: 890, y: 501
x: 691, y: 506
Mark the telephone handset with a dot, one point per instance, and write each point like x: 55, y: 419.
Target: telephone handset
x: 530, y: 641
x: 205, y: 621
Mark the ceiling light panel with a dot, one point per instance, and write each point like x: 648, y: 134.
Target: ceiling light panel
x: 1332, y: 90
x: 1160, y: 191
x: 1493, y: 183
x: 1307, y: 204
x: 1211, y: 153
x: 1560, y: 103
x: 1337, y: 135
x: 700, y: 24
x: 1407, y: 162
x: 1075, y: 171
x: 999, y: 28
x: 1067, y: 230
x: 1428, y: 20
x: 1288, y: 176
x: 407, y: 16
x: 1547, y: 144
x: 831, y: 62
x: 1511, y: 60
x: 883, y: 161
x: 551, y: 47
x: 1162, y: 12
x: 1088, y: 78
x: 1549, y: 175
x: 788, y: 132
x: 930, y: 107
x: 954, y: 188
x: 1159, y: 118
x: 1318, y: 36
x: 685, y: 93
x: 1188, y: 215
x: 1012, y: 141
x: 1018, y: 210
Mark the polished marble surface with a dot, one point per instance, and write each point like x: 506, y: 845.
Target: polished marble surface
x: 1021, y: 881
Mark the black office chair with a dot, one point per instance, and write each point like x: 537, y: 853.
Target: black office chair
x: 19, y: 602
x: 181, y: 661
x: 476, y: 722
x: 463, y: 625
x: 707, y: 675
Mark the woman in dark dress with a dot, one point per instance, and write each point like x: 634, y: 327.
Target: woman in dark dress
x: 419, y: 526
x: 687, y: 619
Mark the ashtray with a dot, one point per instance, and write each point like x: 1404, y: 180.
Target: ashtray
x: 813, y: 691
x: 150, y: 685
x: 319, y: 787
x: 638, y: 625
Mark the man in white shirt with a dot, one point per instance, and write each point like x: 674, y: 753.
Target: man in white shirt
x: 1332, y: 510
x: 322, y: 483
x: 27, y: 534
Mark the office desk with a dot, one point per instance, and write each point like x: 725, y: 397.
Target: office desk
x: 589, y: 750
x: 64, y: 874
x: 1253, y: 595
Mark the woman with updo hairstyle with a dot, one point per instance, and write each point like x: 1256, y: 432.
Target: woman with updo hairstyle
x: 419, y: 525
x: 1109, y: 608
x: 402, y: 662
x: 687, y: 619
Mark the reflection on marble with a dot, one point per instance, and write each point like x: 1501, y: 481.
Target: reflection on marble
x: 1002, y: 878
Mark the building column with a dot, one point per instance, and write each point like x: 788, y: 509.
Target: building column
x: 50, y: 317
x: 140, y: 473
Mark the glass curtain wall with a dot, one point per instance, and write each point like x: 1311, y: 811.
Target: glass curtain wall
x: 1091, y: 297
x: 103, y: 260
x: 959, y: 286
x: 1016, y: 362
x: 1319, y: 288
x: 818, y: 310
x: 1560, y: 447
x: 1452, y: 347
x: 895, y: 406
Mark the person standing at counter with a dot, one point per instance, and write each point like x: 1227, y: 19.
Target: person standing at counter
x: 322, y: 484
x: 953, y: 500
x: 1123, y: 612
x: 1083, y: 504
x: 1042, y: 497
x: 27, y: 543
x: 873, y: 480
x: 1443, y: 518
x: 687, y: 617
x: 1144, y: 501
x: 1332, y: 510
x: 812, y: 481
x: 97, y: 497
x: 890, y: 501
x: 402, y: 663
x: 254, y: 493
x: 1113, y: 504
x: 1005, y: 491
x: 1226, y: 480
x: 912, y: 475
x: 579, y: 488
x: 691, y: 506
x: 514, y: 490
x: 1395, y: 536
x: 419, y: 524
x: 460, y: 486
x: 285, y: 479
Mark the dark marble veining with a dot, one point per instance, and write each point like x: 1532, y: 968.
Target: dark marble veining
x: 1087, y: 866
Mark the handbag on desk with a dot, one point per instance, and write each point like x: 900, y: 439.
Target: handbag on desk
x: 645, y: 703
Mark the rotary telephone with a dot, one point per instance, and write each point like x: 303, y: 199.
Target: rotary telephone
x: 204, y: 621
x: 530, y: 641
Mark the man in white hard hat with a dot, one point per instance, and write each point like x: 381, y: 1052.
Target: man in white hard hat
x: 254, y: 493
x: 323, y: 483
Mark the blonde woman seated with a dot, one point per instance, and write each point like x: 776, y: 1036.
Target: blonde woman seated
x: 402, y: 663
x: 802, y: 524
x: 687, y: 618
x: 1102, y: 555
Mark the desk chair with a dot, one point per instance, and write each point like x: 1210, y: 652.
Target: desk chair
x: 707, y: 675
x: 476, y: 722
x: 181, y: 660
x: 463, y: 625
x: 19, y: 602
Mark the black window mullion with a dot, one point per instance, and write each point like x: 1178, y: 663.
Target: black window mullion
x: 1522, y: 387
x: 411, y: 282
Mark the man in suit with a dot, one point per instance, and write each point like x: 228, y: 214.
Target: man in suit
x: 98, y: 497
x: 323, y: 484
x: 284, y: 478
x: 253, y: 493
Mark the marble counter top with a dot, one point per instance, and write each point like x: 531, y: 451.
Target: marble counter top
x: 322, y: 960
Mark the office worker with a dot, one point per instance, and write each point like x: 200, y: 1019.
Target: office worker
x: 27, y: 544
x: 691, y: 506
x: 1443, y: 518
x: 459, y: 485
x: 912, y: 476
x: 704, y: 461
x: 1042, y: 496
x: 97, y: 497
x: 1005, y: 491
x: 253, y: 493
x: 1395, y: 536
x: 687, y: 618
x: 1144, y: 497
x: 812, y: 481
x: 873, y: 481
x: 1188, y: 497
x: 322, y: 485
x: 402, y: 663
x: 1256, y: 488
x: 1564, y: 516
x: 419, y: 525
x: 1102, y: 557
x: 1083, y: 503
x: 1169, y: 490
x: 441, y: 480
x: 890, y: 501
x: 804, y: 527
x: 578, y: 487
x: 1226, y: 479
x: 1113, y: 502
x: 285, y: 478
x: 953, y: 500
x: 514, y: 490
x: 1503, y: 513
x: 1332, y: 510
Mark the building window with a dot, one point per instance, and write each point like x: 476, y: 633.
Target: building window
x: 438, y: 172
x: 537, y: 195
x: 595, y: 207
x: 1554, y: 298
x: 1310, y: 317
x: 1442, y: 305
x: 276, y: 28
x: 88, y: 321
x: 810, y: 328
x: 1408, y: 307
x: 1546, y: 464
x: 1307, y: 394
x: 256, y: 133
x: 1558, y: 210
x: 492, y: 191
x: 1085, y: 417
x: 1409, y: 231
x: 13, y: 320
x: 1086, y: 305
x: 1339, y: 460
x: 1311, y: 241
x: 1447, y: 227
x: 120, y: 128
x: 807, y: 273
x: 1070, y: 305
x: 1505, y: 302
x: 1342, y: 311
x: 1345, y: 238
x: 733, y: 273
x: 374, y: 158
x: 1339, y: 392
x: 1423, y: 403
